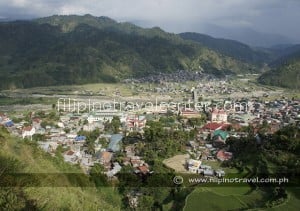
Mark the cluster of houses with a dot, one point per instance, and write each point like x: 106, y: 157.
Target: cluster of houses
x: 208, y: 145
x: 196, y: 167
x: 66, y: 134
x: 211, y: 138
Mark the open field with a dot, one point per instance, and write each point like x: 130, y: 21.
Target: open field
x: 177, y: 163
x: 41, y: 98
x: 26, y: 101
x: 244, y: 86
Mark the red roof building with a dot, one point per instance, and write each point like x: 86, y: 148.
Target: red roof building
x: 135, y: 121
x: 212, y: 126
x: 223, y: 155
x: 143, y: 169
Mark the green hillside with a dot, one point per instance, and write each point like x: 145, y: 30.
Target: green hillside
x: 285, y: 72
x: 84, y: 49
x: 36, y: 190
x: 229, y: 48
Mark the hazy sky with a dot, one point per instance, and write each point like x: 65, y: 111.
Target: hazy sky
x: 269, y: 16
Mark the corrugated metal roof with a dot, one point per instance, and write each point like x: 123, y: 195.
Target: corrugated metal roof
x: 114, y: 142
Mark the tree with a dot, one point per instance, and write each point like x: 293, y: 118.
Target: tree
x: 145, y: 202
x: 196, y: 121
x: 85, y: 122
x: 264, y: 127
x: 67, y: 130
x: 103, y: 142
x: 52, y: 116
x: 98, y: 176
x: 115, y: 124
x: 155, y: 132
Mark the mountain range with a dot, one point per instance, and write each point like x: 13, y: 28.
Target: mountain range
x: 285, y: 71
x: 75, y: 49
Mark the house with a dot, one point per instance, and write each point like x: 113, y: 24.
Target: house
x: 87, y: 160
x: 136, y: 161
x: 116, y: 168
x: 208, y: 172
x: 55, y: 131
x: 190, y: 113
x: 144, y: 169
x: 71, y: 156
x: 40, y: 131
x: 88, y: 127
x: 135, y: 122
x: 212, y: 126
x: 130, y: 150
x: 193, y: 165
x: 115, y: 142
x: 61, y: 125
x: 3, y: 118
x: 80, y: 139
x: 223, y: 155
x: 36, y: 123
x: 28, y: 131
x: 205, y: 167
x: 103, y: 115
x: 220, y: 173
x: 64, y: 118
x: 49, y: 147
x: 218, y: 116
x: 105, y: 157
x: 220, y: 135
x: 9, y: 123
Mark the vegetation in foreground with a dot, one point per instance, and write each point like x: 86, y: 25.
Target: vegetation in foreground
x: 25, y: 157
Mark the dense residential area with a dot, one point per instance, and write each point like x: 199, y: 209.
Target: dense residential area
x: 147, y: 142
x: 94, y: 138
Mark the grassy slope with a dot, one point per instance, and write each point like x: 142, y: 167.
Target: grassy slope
x: 285, y: 72
x: 224, y: 198
x: 56, y: 198
x: 293, y: 202
x: 286, y: 76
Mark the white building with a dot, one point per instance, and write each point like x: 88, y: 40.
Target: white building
x: 28, y: 131
x: 193, y: 165
x: 104, y: 115
x: 219, y: 116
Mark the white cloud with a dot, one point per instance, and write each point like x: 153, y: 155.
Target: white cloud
x: 19, y: 3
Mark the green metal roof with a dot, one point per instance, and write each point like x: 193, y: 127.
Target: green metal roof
x: 223, y: 134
